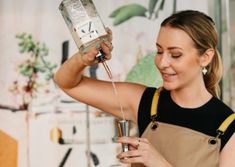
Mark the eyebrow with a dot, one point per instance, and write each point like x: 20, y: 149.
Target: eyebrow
x: 169, y: 48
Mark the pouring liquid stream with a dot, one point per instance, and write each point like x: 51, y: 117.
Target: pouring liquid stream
x: 114, y: 87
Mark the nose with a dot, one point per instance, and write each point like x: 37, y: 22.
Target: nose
x: 164, y: 61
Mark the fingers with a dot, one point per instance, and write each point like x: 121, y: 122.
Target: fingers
x: 134, y: 141
x: 132, y: 160
x: 144, y: 153
x: 129, y: 157
x: 129, y: 154
x: 106, y: 48
x: 137, y: 155
x: 88, y: 55
x: 130, y: 147
x: 110, y: 34
x: 128, y: 140
x: 108, y: 45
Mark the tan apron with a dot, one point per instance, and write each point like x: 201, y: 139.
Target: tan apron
x: 183, y: 147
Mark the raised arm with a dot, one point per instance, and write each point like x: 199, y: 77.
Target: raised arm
x: 97, y: 93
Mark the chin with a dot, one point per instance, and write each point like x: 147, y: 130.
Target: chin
x: 169, y: 87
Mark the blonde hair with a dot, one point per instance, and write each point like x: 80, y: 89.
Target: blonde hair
x: 201, y: 28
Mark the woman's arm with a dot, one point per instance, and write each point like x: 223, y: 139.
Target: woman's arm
x: 227, y: 156
x: 99, y: 94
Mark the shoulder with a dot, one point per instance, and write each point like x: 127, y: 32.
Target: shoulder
x: 146, y: 98
x: 222, y: 112
x: 220, y: 107
x: 221, y: 103
x: 149, y: 91
x: 144, y: 108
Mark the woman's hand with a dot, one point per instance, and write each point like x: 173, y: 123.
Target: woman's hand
x: 141, y: 151
x: 88, y: 56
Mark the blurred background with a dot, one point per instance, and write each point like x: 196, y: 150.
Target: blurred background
x: 42, y: 127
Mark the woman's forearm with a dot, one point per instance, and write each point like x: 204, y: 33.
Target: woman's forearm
x: 70, y: 73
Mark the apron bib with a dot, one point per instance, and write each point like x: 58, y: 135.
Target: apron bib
x: 183, y: 147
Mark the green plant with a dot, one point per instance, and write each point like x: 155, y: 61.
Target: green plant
x: 36, y: 63
x: 31, y: 67
x: 126, y: 12
x: 145, y: 72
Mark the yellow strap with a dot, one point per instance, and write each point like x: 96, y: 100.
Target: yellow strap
x: 155, y: 99
x: 155, y: 102
x: 226, y: 123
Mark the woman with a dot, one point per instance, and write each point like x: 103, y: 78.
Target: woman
x: 179, y: 124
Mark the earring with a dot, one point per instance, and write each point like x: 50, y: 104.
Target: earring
x: 204, y: 70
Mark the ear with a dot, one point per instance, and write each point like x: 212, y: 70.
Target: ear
x: 207, y: 56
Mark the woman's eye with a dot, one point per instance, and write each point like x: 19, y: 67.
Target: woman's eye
x: 176, y: 55
x: 159, y: 52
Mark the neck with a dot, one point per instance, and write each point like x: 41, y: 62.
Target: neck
x: 191, y: 96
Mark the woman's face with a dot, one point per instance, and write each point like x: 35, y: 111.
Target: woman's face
x: 177, y: 59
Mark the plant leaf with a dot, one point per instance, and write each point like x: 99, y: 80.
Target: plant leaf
x: 160, y: 8
x: 35, y: 63
x: 116, y: 11
x: 152, y: 5
x: 27, y: 72
x: 145, y: 72
x: 127, y: 12
x: 162, y: 4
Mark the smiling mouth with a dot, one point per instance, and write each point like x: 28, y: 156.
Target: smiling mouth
x: 167, y: 76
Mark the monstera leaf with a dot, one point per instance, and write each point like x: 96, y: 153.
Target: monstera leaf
x: 145, y: 72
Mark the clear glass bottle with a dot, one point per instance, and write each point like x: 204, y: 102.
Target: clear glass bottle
x: 83, y: 21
